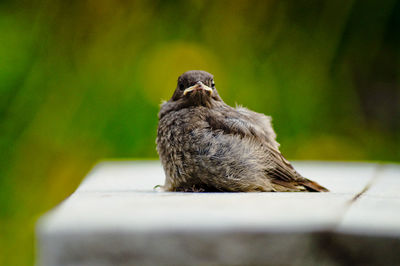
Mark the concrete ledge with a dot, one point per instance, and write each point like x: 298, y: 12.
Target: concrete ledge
x: 116, y: 218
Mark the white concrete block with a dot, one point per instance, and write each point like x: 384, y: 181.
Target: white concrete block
x: 116, y: 218
x: 377, y: 211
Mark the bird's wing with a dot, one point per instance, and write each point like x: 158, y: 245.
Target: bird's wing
x: 285, y: 178
x: 278, y: 169
x: 243, y: 122
x: 282, y: 173
x: 261, y: 123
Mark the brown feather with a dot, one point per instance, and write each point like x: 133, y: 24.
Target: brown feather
x: 284, y: 175
x: 312, y: 186
x: 284, y: 186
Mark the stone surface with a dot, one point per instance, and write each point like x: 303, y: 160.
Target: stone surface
x: 377, y: 211
x: 116, y: 218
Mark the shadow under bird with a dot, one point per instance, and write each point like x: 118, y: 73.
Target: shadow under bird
x: 207, y: 145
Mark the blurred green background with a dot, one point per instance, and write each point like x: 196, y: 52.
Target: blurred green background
x: 83, y: 80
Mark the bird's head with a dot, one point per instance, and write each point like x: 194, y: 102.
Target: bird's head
x: 196, y: 87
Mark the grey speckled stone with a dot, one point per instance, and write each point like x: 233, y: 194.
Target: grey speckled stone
x: 116, y: 218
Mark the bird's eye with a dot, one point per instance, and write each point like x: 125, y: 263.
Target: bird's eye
x: 212, y: 84
x: 181, y: 87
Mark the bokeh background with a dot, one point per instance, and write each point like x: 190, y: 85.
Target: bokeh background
x: 82, y: 81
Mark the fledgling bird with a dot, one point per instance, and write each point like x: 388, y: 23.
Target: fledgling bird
x: 206, y: 145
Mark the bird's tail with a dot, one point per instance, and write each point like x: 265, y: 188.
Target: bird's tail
x: 312, y: 185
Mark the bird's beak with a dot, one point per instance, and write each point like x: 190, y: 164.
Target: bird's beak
x: 198, y: 86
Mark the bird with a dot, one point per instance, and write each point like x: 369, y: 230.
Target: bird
x: 205, y: 145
